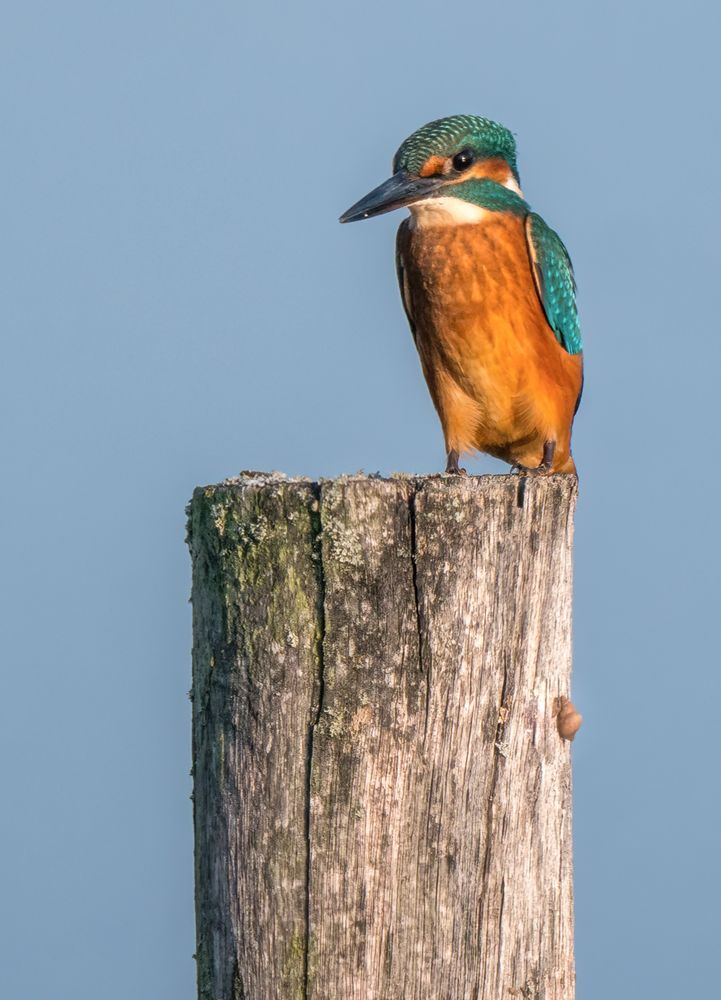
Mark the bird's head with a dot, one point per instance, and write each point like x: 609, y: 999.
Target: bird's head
x: 439, y: 161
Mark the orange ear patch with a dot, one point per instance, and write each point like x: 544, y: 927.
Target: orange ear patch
x: 434, y: 165
x: 494, y: 169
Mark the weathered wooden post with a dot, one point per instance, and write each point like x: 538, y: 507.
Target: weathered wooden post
x: 382, y: 799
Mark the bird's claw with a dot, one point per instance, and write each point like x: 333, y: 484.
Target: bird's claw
x: 452, y: 466
x: 531, y: 470
x: 544, y: 469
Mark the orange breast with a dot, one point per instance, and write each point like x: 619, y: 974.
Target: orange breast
x: 500, y: 380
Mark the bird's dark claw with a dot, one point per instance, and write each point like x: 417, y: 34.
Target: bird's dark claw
x: 452, y: 467
x: 549, y: 450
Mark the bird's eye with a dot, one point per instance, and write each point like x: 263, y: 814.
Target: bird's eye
x: 463, y: 160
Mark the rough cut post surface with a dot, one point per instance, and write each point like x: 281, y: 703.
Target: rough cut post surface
x: 382, y: 799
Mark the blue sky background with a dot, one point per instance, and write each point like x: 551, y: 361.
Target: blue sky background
x: 179, y: 303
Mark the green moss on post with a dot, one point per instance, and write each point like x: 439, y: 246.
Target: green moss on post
x: 256, y: 680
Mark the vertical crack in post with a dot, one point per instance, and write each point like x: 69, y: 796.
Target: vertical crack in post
x: 500, y: 752
x: 417, y: 601
x: 317, y: 542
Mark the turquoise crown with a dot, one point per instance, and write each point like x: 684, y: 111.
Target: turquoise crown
x: 447, y: 136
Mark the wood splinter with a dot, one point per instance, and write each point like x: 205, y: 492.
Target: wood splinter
x: 568, y: 719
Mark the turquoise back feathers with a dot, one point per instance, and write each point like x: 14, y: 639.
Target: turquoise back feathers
x: 553, y: 274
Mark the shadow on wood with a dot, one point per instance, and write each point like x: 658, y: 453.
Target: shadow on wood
x: 382, y: 800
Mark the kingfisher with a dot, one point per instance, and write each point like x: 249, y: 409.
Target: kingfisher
x: 489, y: 293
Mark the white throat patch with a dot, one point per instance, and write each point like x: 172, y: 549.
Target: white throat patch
x: 446, y: 212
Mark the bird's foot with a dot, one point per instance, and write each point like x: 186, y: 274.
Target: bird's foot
x: 549, y: 450
x: 452, y: 467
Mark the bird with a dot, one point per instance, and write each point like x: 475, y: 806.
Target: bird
x: 489, y: 293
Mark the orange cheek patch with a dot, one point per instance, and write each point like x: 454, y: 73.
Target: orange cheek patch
x: 433, y: 165
x: 494, y: 169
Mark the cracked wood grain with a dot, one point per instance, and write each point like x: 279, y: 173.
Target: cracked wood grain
x: 382, y: 798
x: 256, y: 675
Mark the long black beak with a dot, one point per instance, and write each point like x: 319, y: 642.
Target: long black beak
x: 399, y: 190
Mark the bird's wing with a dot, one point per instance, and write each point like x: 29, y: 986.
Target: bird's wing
x: 401, y: 244
x: 555, y: 284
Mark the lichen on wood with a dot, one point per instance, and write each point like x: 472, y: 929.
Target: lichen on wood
x: 256, y: 680
x: 382, y: 797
